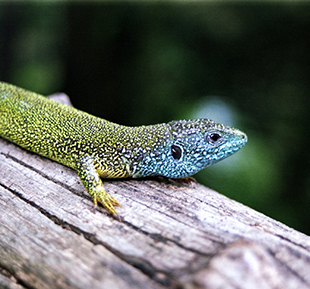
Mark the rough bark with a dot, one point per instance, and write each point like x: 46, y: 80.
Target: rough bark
x: 169, y: 234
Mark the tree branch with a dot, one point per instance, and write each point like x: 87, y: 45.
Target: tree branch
x: 170, y: 234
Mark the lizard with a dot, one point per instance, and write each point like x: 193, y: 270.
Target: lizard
x: 96, y: 148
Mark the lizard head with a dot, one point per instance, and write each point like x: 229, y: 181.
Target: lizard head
x: 192, y: 146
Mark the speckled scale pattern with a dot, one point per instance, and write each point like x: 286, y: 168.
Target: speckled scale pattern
x: 96, y: 148
x: 65, y: 134
x: 198, y: 149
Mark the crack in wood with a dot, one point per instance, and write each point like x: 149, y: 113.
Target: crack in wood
x: 13, y: 278
x: 141, y: 264
x: 80, y: 194
x: 156, y: 244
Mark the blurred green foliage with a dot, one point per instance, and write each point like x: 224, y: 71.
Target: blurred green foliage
x: 246, y: 63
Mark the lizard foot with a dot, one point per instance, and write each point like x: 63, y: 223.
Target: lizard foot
x: 108, y: 202
x: 187, y: 180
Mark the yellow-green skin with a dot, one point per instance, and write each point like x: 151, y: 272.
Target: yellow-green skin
x: 98, y: 148
x: 71, y: 137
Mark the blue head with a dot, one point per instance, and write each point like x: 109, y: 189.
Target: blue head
x: 192, y: 146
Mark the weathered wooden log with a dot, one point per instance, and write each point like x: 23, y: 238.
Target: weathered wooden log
x: 169, y: 234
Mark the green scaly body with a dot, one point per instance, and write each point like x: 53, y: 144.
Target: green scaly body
x: 96, y: 148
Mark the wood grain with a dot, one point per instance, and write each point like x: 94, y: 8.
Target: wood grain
x: 169, y: 234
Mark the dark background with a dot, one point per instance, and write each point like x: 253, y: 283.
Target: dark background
x: 242, y: 63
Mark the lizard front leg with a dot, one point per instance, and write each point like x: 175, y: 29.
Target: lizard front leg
x: 89, y: 176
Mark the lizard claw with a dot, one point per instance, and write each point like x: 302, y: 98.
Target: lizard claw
x: 106, y: 201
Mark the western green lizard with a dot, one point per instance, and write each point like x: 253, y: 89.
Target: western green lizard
x: 97, y: 148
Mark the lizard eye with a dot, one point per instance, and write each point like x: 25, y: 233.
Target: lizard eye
x: 176, y: 152
x: 213, y: 137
